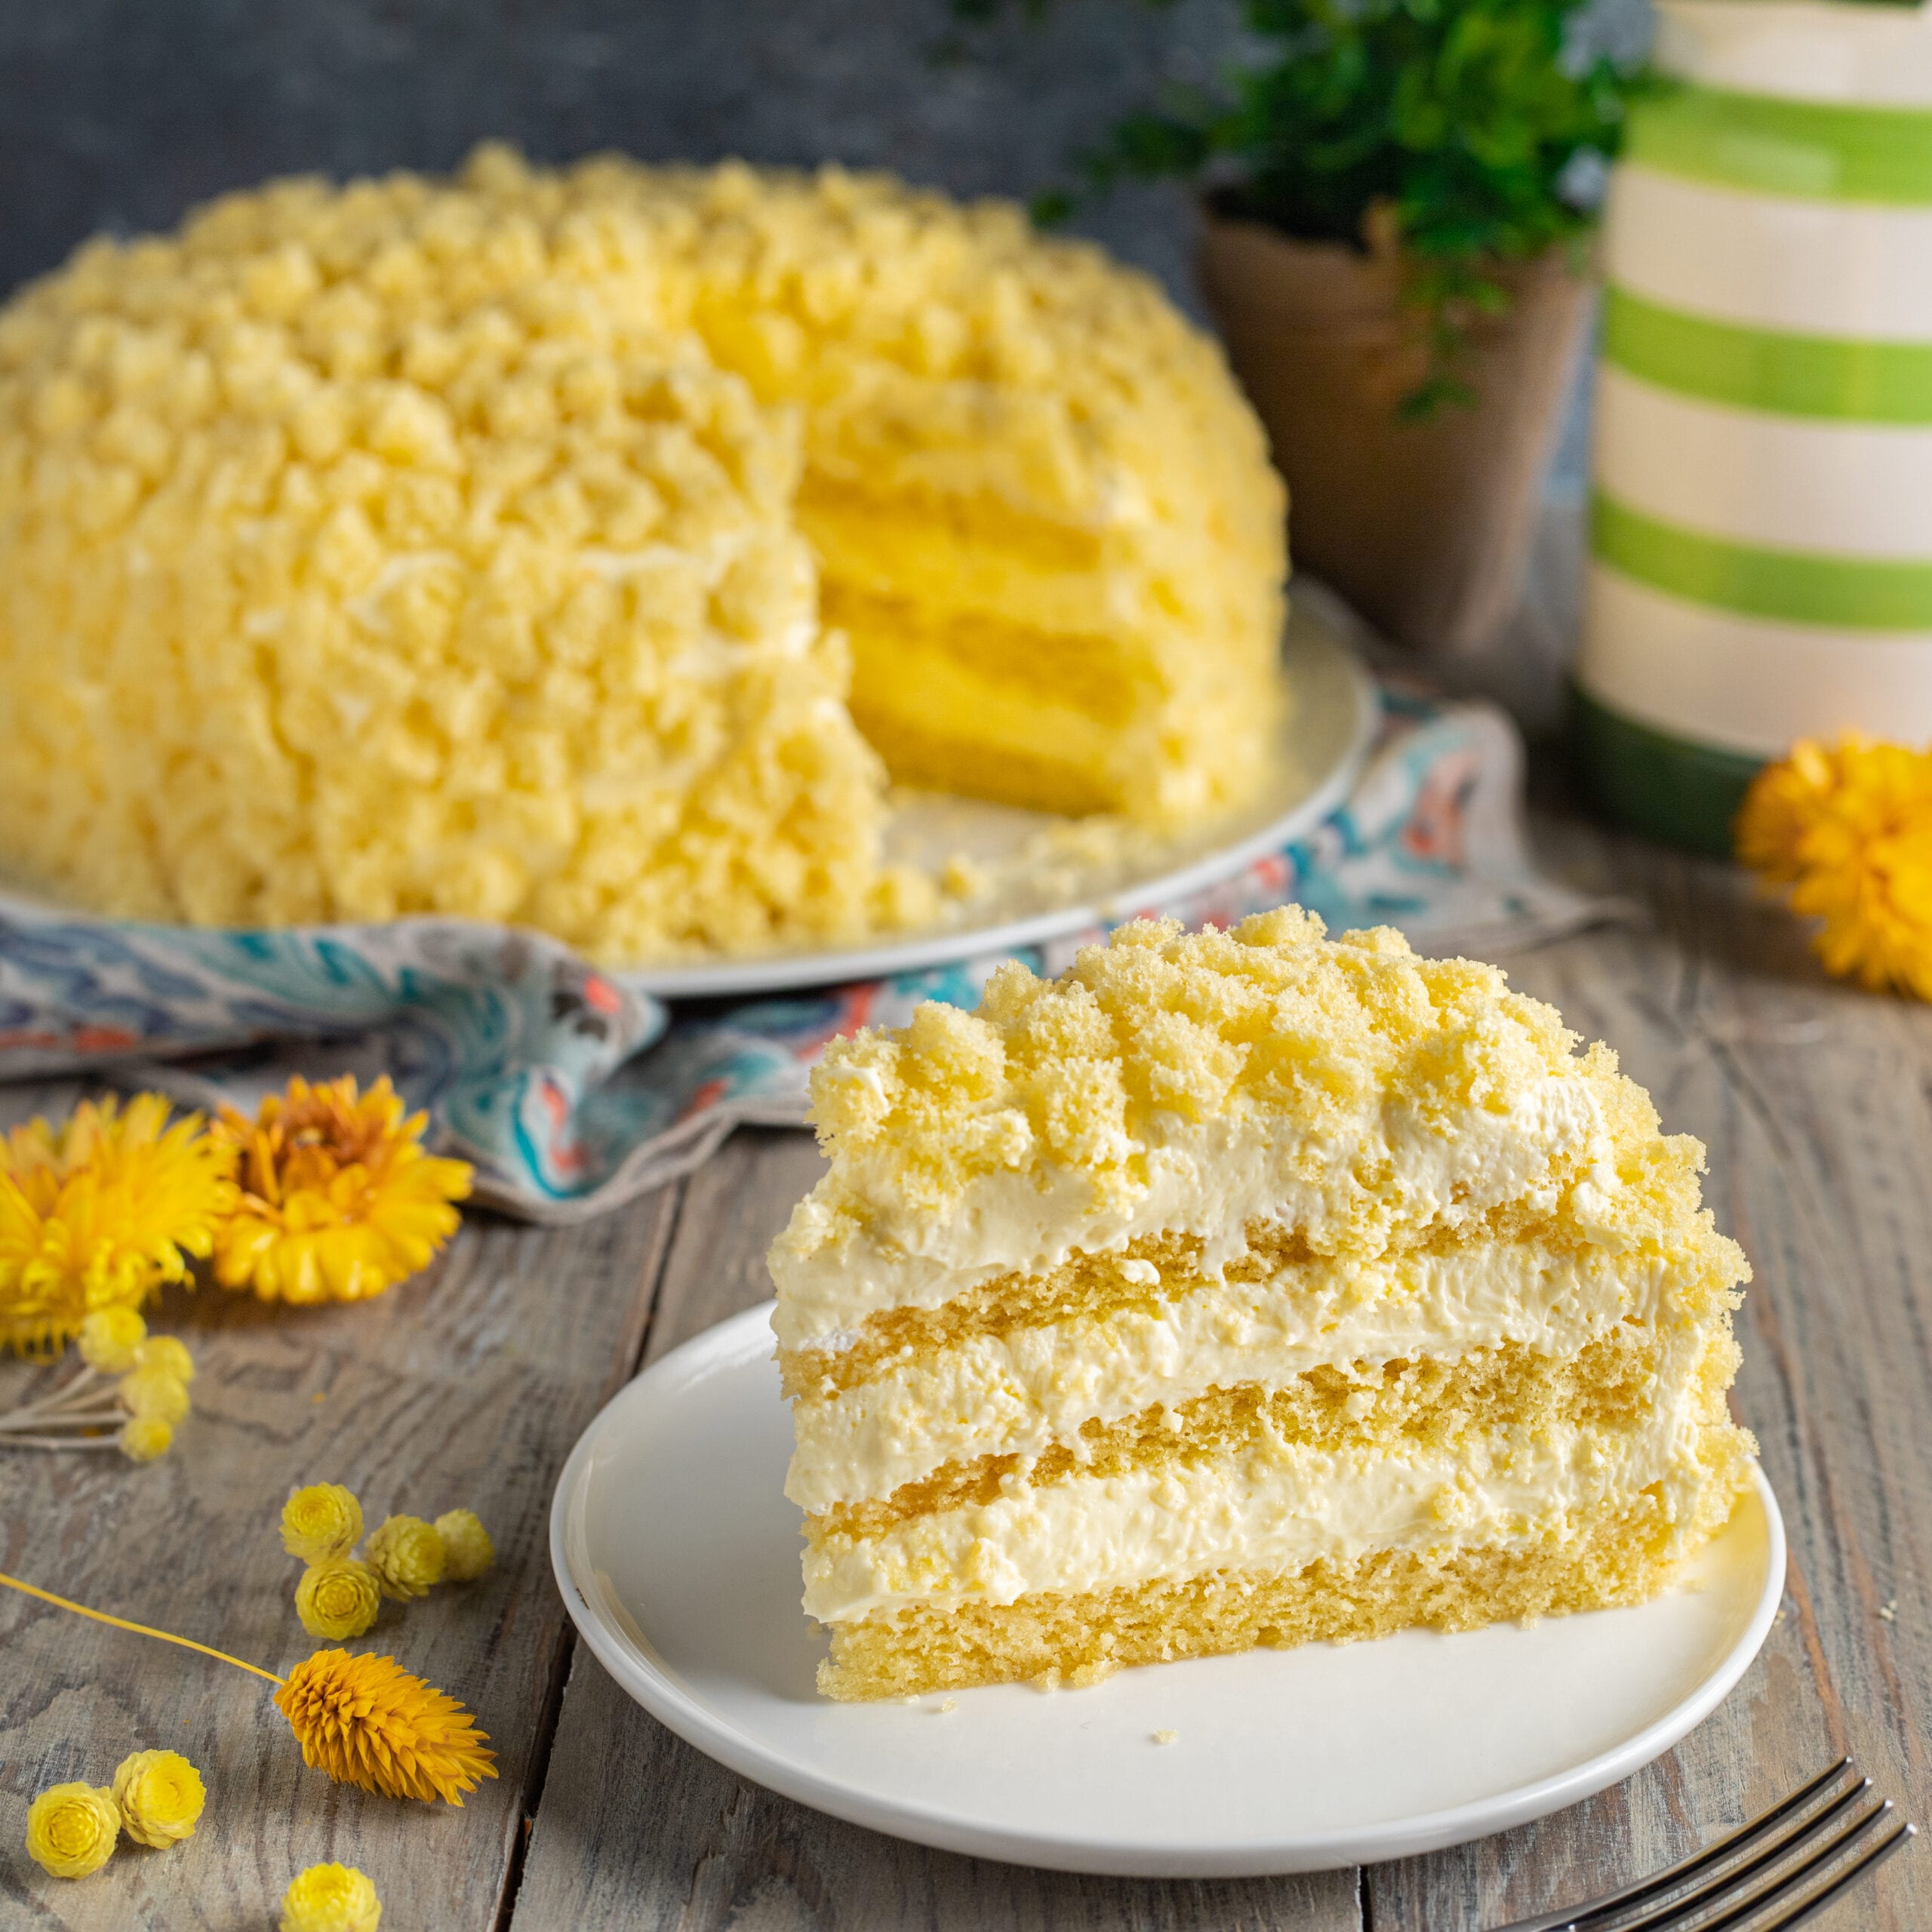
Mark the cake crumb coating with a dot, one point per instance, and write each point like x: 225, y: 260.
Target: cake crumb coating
x: 380, y: 550
x: 1268, y: 1019
x: 500, y: 546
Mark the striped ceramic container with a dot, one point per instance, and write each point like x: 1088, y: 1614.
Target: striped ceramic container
x: 1762, y: 523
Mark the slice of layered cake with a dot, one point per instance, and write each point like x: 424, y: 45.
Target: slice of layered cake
x: 1242, y: 1289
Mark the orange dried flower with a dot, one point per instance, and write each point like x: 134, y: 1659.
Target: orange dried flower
x: 366, y: 1721
x: 339, y: 1199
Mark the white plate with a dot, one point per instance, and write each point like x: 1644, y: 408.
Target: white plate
x: 1324, y: 741
x: 678, y: 1556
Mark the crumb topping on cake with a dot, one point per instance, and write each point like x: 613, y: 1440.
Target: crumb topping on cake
x: 1269, y: 1019
x: 380, y: 550
x: 500, y: 547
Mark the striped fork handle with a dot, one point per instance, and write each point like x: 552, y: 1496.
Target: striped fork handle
x: 1762, y: 565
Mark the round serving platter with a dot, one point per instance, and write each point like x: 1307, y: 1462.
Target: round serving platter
x: 677, y: 1557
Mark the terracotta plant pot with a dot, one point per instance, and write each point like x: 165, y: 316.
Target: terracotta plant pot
x: 1425, y: 527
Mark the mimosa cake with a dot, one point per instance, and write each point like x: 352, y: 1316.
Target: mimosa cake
x: 589, y: 550
x: 1235, y: 1289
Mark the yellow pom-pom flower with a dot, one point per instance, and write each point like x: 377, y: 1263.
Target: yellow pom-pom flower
x: 338, y: 1598
x: 71, y: 1828
x: 408, y: 1556
x: 366, y: 1721
x: 143, y: 1439
x: 467, y: 1550
x: 155, y: 1395
x: 160, y: 1796
x: 339, y: 1200
x: 98, y: 1213
x: 1848, y: 828
x: 168, y: 1355
x: 330, y: 1898
x: 323, y: 1520
x: 111, y: 1340
x: 1782, y: 805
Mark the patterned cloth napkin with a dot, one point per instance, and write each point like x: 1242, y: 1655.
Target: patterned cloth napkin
x: 572, y: 1091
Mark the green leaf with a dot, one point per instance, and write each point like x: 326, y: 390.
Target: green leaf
x: 1465, y: 115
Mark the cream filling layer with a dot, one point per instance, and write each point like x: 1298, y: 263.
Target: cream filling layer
x: 1272, y: 1507
x: 1401, y: 1174
x: 1020, y: 1392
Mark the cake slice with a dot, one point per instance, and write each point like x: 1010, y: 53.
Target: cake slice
x: 1240, y: 1289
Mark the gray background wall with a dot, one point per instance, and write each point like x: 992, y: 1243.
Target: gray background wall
x: 120, y: 114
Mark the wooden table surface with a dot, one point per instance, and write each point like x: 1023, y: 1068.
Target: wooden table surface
x: 469, y: 1386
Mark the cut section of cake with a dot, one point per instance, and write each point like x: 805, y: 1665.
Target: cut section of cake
x: 1235, y: 1289
x: 1043, y: 513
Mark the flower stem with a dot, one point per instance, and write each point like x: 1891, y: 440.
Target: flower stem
x: 100, y: 1410
x: 139, y: 1629
x: 12, y: 1441
x: 65, y: 1394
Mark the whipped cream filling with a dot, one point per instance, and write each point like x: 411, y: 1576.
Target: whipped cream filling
x: 1020, y: 1392
x: 1399, y: 1176
x: 1272, y: 1507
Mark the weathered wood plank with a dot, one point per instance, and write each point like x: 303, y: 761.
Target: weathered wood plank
x: 1812, y: 1098
x: 467, y: 1386
x: 636, y: 1828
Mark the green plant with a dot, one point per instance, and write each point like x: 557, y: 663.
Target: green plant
x: 1475, y: 130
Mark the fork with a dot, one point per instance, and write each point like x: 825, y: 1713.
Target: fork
x: 1774, y: 1872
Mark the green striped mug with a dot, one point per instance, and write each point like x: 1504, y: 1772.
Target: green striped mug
x: 1762, y: 539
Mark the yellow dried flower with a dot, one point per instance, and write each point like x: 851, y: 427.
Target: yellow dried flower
x: 168, y: 1354
x: 330, y: 1898
x: 1782, y: 805
x: 467, y: 1550
x: 98, y: 1214
x: 160, y: 1795
x: 111, y: 1340
x: 155, y: 1395
x: 338, y: 1598
x: 366, y: 1721
x: 143, y: 1438
x: 321, y: 1521
x: 339, y: 1200
x: 407, y: 1555
x: 1849, y: 828
x: 72, y: 1828
x: 363, y: 1720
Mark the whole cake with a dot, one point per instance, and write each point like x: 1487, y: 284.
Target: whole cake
x: 1241, y: 1289
x: 587, y: 550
